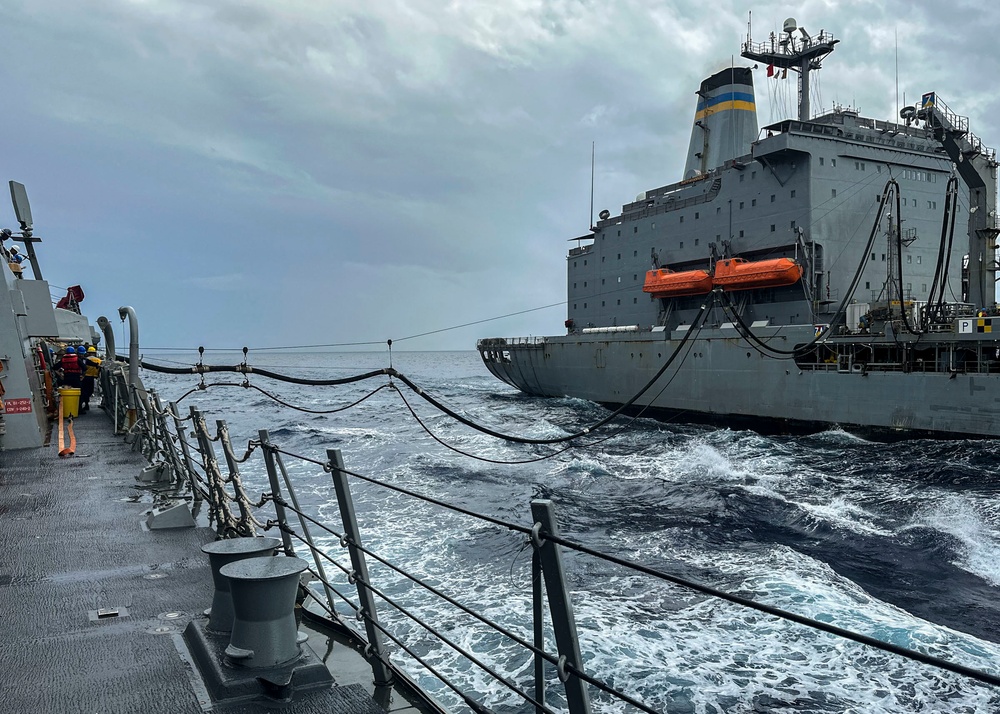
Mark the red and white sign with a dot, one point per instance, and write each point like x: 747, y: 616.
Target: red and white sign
x: 17, y: 406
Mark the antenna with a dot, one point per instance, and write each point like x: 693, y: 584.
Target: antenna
x: 593, y: 156
x: 896, y: 40
x: 22, y: 210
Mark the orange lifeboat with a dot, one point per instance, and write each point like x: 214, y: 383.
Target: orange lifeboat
x: 740, y: 274
x: 664, y: 283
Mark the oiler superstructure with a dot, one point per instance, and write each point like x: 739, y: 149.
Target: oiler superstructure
x: 827, y: 270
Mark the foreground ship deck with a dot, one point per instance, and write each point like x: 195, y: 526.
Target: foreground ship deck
x: 76, y: 547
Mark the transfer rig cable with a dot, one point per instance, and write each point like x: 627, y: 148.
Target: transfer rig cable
x: 390, y: 372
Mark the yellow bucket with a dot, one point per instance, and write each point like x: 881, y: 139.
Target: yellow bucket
x: 70, y: 398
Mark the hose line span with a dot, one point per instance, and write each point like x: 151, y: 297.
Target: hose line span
x: 693, y: 328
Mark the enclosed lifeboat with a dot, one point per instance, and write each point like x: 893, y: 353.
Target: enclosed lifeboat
x: 664, y: 283
x: 740, y: 274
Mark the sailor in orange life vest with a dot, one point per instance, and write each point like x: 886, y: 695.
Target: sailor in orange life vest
x: 70, y: 366
x: 91, y: 368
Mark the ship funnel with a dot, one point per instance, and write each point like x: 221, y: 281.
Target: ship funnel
x: 725, y: 121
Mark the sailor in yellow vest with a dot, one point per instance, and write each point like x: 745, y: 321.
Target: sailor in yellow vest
x: 91, y: 368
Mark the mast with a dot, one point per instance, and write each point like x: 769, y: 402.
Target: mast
x: 794, y: 50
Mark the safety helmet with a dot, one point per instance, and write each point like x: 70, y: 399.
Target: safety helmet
x: 15, y: 249
x: 81, y: 350
x: 91, y: 349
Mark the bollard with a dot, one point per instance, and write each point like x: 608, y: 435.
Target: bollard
x: 264, y: 629
x: 224, y: 552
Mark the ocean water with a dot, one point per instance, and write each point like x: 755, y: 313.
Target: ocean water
x: 897, y: 541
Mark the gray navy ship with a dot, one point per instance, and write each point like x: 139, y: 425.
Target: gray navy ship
x: 822, y: 271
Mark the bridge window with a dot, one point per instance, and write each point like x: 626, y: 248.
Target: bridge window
x: 833, y: 193
x: 820, y: 160
x: 793, y: 193
x: 772, y: 228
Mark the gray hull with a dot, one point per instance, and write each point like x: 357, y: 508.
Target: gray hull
x: 722, y: 378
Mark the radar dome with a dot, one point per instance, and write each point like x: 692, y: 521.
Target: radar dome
x: 790, y: 25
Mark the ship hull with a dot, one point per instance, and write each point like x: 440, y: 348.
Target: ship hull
x: 720, y: 378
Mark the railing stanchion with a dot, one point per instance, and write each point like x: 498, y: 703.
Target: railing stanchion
x: 380, y: 666
x: 245, y: 525
x: 272, y: 461
x: 539, y: 626
x: 185, y: 450
x: 560, y: 606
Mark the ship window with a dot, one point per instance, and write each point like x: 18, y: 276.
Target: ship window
x: 635, y: 229
x: 772, y: 198
x: 602, y: 281
x: 619, y: 278
x: 741, y: 234
x: 602, y: 258
x: 909, y: 259
x: 619, y: 233
x: 741, y: 202
x: 696, y: 241
x: 718, y: 210
x: 920, y: 259
x: 584, y: 283
x: 697, y: 215
x: 602, y: 303
x: 718, y: 236
x: 868, y: 286
x: 753, y: 202
x: 682, y: 219
x: 753, y: 175
x: 585, y: 262
x: 820, y: 160
x: 833, y: 193
x: 654, y: 225
x: 619, y: 302
x: 878, y: 167
x: 923, y: 286
x: 873, y: 258
x: 619, y: 256
x: 833, y: 162
x: 772, y: 228
x: 635, y: 301
x: 584, y: 306
x: 909, y: 287
x: 574, y: 306
x: 883, y: 257
x: 932, y: 204
x: 793, y: 193
x: 793, y: 225
x: 682, y: 244
x: 742, y: 176
x: 635, y: 253
x: 635, y: 276
x: 574, y: 286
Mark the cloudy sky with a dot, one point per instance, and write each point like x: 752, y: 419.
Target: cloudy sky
x: 271, y: 172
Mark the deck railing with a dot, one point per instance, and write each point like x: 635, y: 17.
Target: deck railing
x: 391, y: 605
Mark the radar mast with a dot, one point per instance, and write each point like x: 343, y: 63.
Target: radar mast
x: 794, y: 49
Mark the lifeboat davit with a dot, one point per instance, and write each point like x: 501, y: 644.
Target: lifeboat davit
x: 740, y: 274
x: 663, y: 283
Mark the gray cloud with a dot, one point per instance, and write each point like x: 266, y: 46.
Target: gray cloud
x: 363, y: 171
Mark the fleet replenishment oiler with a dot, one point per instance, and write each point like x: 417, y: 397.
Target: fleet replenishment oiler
x: 826, y: 271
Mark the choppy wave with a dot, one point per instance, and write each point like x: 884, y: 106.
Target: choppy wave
x: 898, y: 541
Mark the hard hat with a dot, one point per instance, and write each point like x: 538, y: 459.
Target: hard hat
x: 91, y: 349
x: 15, y: 249
x: 81, y: 350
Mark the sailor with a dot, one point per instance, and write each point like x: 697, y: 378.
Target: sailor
x: 70, y: 366
x: 91, y: 368
x: 15, y: 259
